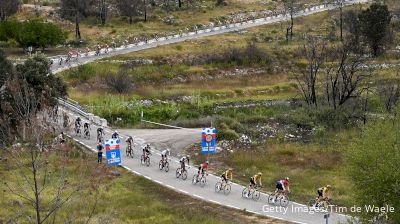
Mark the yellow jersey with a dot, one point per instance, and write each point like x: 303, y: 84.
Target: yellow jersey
x: 228, y: 174
x: 257, y: 179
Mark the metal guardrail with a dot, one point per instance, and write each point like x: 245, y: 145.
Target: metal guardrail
x: 74, y: 106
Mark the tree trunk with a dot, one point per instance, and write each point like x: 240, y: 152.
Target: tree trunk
x: 179, y: 3
x: 36, y: 188
x: 341, y: 22
x: 145, y: 10
x: 291, y: 25
x: 130, y: 19
x: 77, y: 31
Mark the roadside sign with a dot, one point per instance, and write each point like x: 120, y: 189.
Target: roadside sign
x: 113, y: 154
x: 208, y: 140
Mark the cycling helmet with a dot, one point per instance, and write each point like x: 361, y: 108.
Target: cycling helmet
x: 328, y: 186
x: 207, y: 162
x: 230, y: 169
x: 259, y: 174
x: 287, y: 178
x: 115, y: 131
x: 167, y: 150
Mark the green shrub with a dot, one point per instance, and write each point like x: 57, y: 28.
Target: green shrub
x: 227, y: 134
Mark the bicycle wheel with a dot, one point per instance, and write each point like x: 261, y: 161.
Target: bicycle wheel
x: 160, y: 165
x: 202, y: 181
x: 194, y: 179
x: 148, y: 161
x: 142, y: 159
x: 218, y: 187
x: 272, y: 199
x: 127, y: 151
x: 284, y: 200
x: 178, y: 172
x: 311, y: 203
x: 245, y: 192
x: 166, y: 167
x: 184, y: 175
x: 256, y: 195
x: 227, y: 189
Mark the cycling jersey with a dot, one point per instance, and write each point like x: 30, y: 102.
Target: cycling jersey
x: 323, y: 191
x: 227, y: 175
x: 204, y: 166
x: 256, y: 179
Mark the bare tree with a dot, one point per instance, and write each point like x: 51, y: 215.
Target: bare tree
x: 389, y: 92
x: 129, y: 8
x: 340, y: 5
x: 42, y: 176
x: 344, y: 78
x: 290, y: 7
x: 75, y: 10
x: 120, y: 82
x: 8, y: 7
x: 103, y: 10
x: 314, y: 51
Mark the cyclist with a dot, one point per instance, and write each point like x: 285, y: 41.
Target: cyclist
x: 282, y: 185
x: 129, y: 140
x: 164, y: 155
x: 77, y: 124
x: 254, y: 181
x: 146, y: 151
x: 227, y: 175
x: 100, y: 148
x: 100, y: 132
x: 78, y: 121
x: 61, y: 138
x: 203, y: 168
x: 115, y: 135
x: 182, y: 161
x: 86, y: 128
x: 323, y: 193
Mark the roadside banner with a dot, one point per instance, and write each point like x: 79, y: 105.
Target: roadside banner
x: 113, y: 154
x: 208, y: 140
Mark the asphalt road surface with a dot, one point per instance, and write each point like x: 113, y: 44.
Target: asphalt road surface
x: 293, y: 212
x: 56, y: 67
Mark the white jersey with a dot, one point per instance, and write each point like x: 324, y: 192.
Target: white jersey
x: 165, y: 153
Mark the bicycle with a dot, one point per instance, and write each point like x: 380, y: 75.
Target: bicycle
x: 78, y: 131
x: 323, y: 204
x: 281, y: 197
x: 163, y: 164
x: 129, y: 151
x: 255, y: 193
x: 180, y: 173
x: 202, y: 179
x: 223, y: 186
x: 100, y: 139
x: 145, y: 160
x: 87, y: 134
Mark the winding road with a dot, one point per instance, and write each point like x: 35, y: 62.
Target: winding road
x: 294, y: 212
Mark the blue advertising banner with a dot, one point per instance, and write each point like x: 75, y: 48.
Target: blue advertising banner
x: 113, y: 154
x: 208, y: 140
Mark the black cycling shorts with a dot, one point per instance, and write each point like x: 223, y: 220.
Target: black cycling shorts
x: 252, y: 181
x: 224, y: 177
x: 319, y: 193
